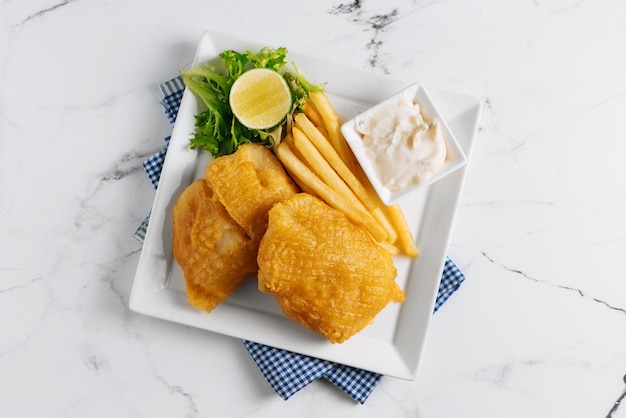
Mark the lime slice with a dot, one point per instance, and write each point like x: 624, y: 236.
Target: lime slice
x: 260, y: 98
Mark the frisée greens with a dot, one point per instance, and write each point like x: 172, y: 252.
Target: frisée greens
x: 217, y: 130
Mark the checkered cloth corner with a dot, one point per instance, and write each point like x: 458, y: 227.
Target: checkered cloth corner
x: 172, y: 92
x: 287, y: 372
x: 140, y: 232
x: 357, y: 383
x: 451, y: 280
x: 154, y: 164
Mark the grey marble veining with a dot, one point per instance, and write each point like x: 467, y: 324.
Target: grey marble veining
x: 538, y: 328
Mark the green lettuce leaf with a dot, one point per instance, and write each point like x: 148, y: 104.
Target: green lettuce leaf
x: 217, y: 130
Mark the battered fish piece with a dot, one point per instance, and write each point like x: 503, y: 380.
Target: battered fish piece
x: 325, y: 272
x: 213, y: 251
x: 248, y: 183
x: 218, y: 222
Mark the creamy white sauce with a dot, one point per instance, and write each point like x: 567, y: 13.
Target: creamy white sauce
x: 403, y: 148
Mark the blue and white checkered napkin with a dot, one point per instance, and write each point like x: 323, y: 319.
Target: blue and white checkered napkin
x: 285, y: 371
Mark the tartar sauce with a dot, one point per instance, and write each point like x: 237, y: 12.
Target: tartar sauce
x: 403, y: 148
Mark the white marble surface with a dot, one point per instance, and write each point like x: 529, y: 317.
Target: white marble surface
x: 539, y: 327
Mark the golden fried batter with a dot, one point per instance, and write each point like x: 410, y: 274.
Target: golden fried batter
x: 248, y: 184
x: 325, y: 272
x: 218, y: 222
x: 213, y: 251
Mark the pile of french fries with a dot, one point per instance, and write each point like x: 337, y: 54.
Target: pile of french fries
x: 320, y: 161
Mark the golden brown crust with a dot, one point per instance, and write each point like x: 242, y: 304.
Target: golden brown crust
x: 325, y: 272
x: 248, y: 183
x: 214, y: 252
x: 218, y: 222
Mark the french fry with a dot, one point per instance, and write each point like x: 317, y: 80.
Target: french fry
x: 302, y: 185
x: 322, y: 168
x: 390, y: 248
x: 405, y: 236
x: 400, y: 234
x: 335, y: 161
x: 314, y: 116
x: 332, y: 123
x: 300, y: 170
x: 288, y: 139
x: 395, y: 219
x: 378, y: 214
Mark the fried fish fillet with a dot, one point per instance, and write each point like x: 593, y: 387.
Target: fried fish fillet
x: 325, y: 272
x: 248, y: 183
x: 218, y: 222
x: 213, y: 251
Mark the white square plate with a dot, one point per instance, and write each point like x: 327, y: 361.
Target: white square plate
x: 394, y: 344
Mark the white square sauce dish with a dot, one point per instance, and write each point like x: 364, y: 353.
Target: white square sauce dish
x: 403, y: 144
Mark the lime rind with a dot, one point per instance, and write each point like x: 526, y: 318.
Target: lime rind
x: 260, y: 99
